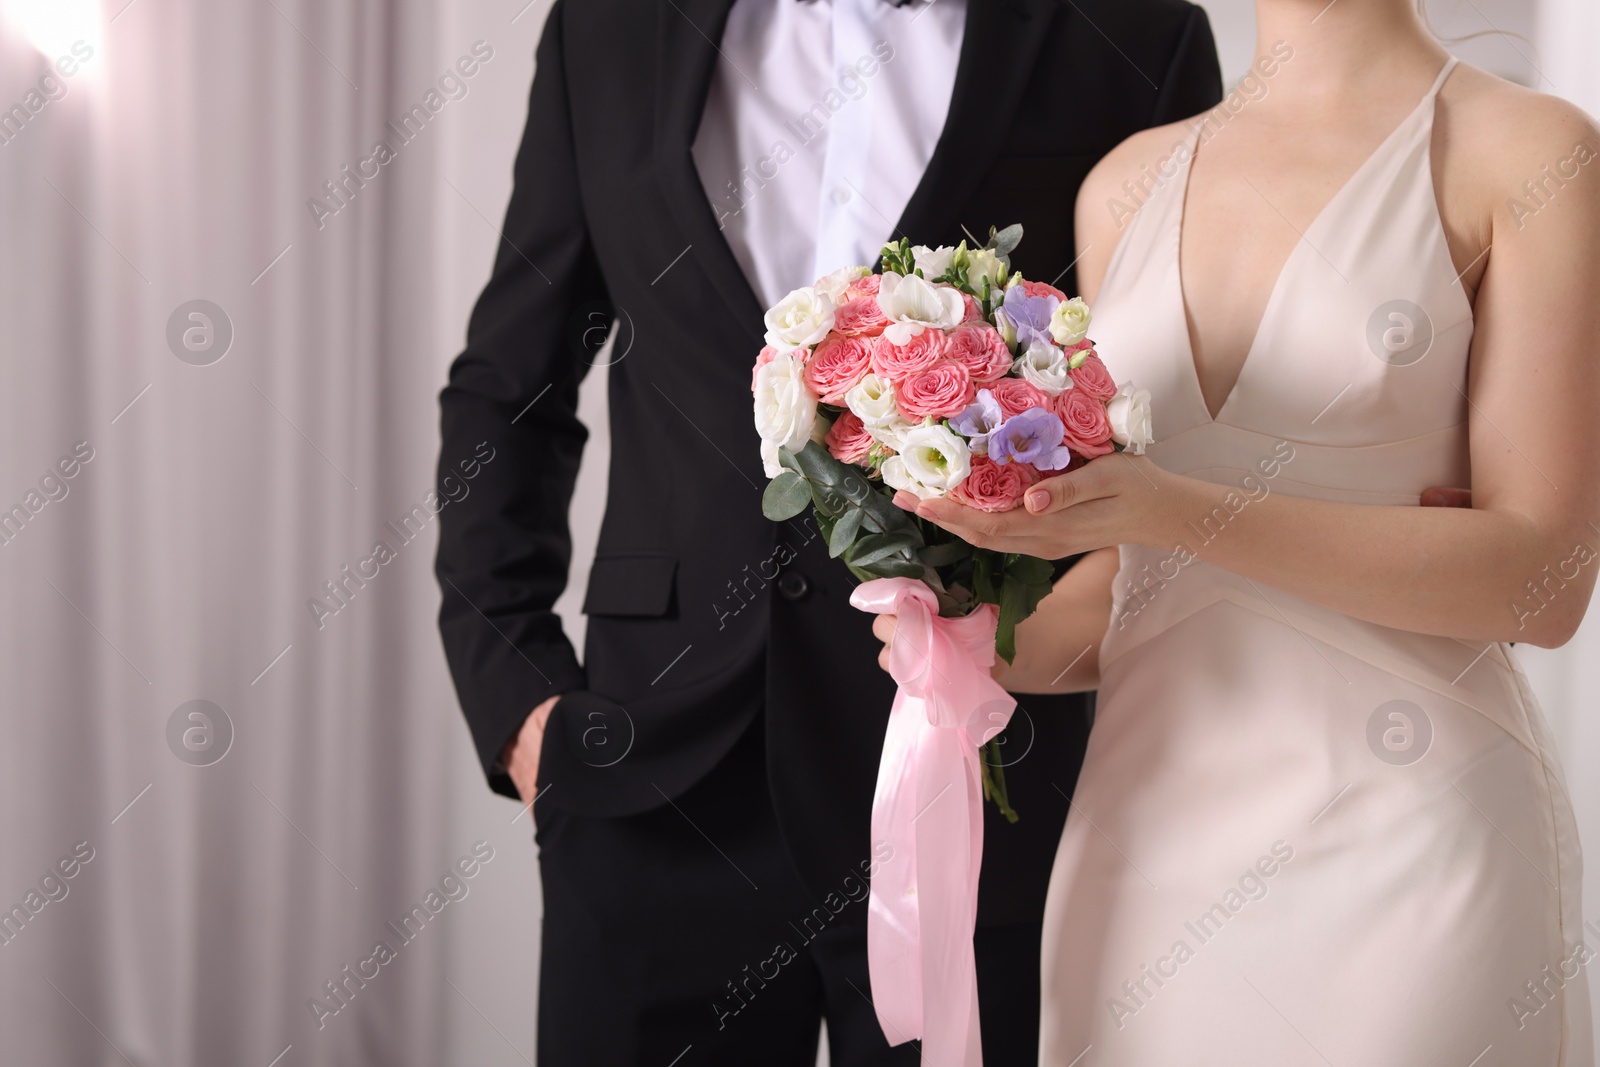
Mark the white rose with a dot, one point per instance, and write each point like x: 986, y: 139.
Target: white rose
x: 786, y: 408
x: 1044, y: 366
x: 983, y: 263
x: 912, y: 304
x: 804, y: 317
x: 833, y: 285
x: 1129, y: 415
x: 932, y: 262
x: 1069, y: 322
x: 932, y: 461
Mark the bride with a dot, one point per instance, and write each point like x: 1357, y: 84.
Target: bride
x: 1320, y: 820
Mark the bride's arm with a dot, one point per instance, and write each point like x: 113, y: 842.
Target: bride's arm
x: 1520, y: 564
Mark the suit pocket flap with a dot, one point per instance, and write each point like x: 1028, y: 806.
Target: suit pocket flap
x: 630, y: 585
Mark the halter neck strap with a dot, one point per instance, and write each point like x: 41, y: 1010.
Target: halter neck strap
x: 1438, y: 83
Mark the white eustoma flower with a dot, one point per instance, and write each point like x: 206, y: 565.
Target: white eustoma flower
x: 872, y: 400
x: 1008, y: 329
x: 913, y: 304
x: 892, y: 432
x: 1044, y: 366
x: 802, y: 318
x: 1129, y: 415
x: 785, y: 407
x: 932, y: 461
x: 932, y: 262
x: 894, y: 474
x: 833, y: 285
x: 1069, y: 322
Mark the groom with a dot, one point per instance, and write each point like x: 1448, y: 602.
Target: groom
x: 704, y: 775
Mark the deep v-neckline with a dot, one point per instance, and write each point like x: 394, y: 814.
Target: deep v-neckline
x: 1274, y: 293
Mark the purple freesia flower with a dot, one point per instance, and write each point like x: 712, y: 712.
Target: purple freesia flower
x: 1032, y: 436
x: 978, y: 421
x: 1029, y: 315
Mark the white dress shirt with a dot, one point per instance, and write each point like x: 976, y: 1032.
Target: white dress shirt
x: 821, y: 118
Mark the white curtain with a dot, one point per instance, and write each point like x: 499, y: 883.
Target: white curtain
x: 209, y: 501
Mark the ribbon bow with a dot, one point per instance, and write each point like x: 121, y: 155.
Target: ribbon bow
x: 928, y: 807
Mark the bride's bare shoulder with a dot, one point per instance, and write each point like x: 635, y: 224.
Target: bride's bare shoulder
x: 1113, y: 189
x: 1506, y: 152
x: 1489, y: 110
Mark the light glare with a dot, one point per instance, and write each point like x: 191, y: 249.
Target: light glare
x: 53, y: 26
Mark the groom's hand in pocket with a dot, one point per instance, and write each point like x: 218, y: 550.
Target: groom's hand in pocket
x: 520, y: 757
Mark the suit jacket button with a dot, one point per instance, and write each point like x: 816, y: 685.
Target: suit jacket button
x: 793, y: 585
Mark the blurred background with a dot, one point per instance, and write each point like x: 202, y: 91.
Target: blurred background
x: 238, y: 729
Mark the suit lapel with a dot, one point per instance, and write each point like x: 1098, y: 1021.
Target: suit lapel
x: 998, y: 52
x: 686, y: 58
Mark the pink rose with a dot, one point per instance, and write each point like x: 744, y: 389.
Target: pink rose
x: 859, y: 316
x: 1086, y: 430
x: 848, y: 439
x: 974, y: 310
x: 762, y: 359
x: 991, y: 486
x: 895, y: 362
x: 942, y: 390
x: 1043, y: 289
x: 1016, y: 396
x: 836, y: 364
x: 980, y: 348
x: 867, y: 286
x: 1094, y: 379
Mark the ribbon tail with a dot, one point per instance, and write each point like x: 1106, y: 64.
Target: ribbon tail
x: 894, y: 923
x: 927, y: 825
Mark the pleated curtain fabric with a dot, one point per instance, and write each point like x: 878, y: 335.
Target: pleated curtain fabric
x: 231, y: 762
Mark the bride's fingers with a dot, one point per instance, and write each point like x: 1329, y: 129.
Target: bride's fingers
x: 1089, y: 482
x: 1001, y: 531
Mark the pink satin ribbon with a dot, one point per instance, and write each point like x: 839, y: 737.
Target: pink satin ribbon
x: 929, y: 807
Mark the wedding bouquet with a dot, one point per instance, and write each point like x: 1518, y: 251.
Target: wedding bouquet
x: 946, y: 375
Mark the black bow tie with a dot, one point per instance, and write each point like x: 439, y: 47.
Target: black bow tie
x: 891, y: 3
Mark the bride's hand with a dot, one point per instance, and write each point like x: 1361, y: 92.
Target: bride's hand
x: 1116, y: 499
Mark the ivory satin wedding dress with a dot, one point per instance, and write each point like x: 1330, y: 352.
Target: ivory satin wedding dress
x: 1300, y: 838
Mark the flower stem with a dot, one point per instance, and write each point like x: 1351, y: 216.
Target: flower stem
x: 994, y: 778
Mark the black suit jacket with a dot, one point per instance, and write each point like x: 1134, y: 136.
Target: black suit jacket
x: 702, y: 614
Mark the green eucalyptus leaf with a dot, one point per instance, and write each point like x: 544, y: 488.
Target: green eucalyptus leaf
x: 945, y: 555
x: 1006, y: 241
x: 868, y: 550
x: 862, y: 573
x: 844, y: 532
x: 899, y: 567
x: 785, y: 496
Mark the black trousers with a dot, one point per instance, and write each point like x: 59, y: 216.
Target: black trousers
x: 683, y: 937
